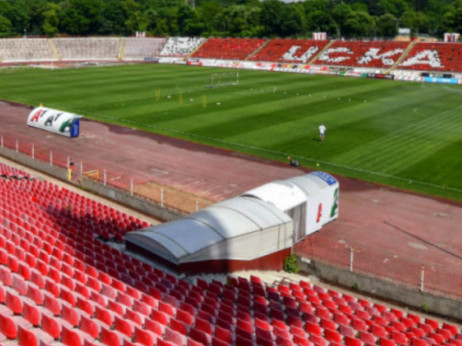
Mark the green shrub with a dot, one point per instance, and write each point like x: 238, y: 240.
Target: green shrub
x: 290, y: 264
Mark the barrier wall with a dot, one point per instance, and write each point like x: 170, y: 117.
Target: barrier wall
x: 383, y: 288
x: 400, y: 75
x: 145, y: 206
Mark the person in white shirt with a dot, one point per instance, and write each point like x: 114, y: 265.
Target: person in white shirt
x: 322, y: 132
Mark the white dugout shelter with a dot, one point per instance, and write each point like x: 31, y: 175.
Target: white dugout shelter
x: 310, y: 200
x: 253, y: 231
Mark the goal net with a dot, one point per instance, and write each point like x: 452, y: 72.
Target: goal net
x: 223, y: 79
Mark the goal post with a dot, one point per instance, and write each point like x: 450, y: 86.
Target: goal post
x: 222, y: 79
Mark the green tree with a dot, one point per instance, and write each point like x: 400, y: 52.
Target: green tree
x: 73, y: 23
x: 272, y: 18
x: 5, y: 26
x: 189, y: 22
x: 135, y: 18
x: 35, y: 11
x: 88, y: 15
x: 340, y: 13
x: 293, y: 21
x: 359, y: 24
x: 447, y: 23
x: 112, y: 17
x: 386, y: 25
x: 416, y: 21
x: 210, y: 13
x: 19, y: 16
x: 52, y: 17
x: 316, y: 5
x: 394, y: 7
x: 458, y: 20
x: 320, y: 21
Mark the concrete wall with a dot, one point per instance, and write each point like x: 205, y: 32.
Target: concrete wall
x: 120, y: 196
x: 28, y: 161
x: 413, y: 297
x: 123, y: 197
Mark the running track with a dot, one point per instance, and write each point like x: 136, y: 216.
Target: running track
x: 393, y: 233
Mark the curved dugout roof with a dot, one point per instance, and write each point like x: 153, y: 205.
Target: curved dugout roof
x: 227, y: 230
x: 287, y: 194
x: 313, y: 182
x: 282, y: 194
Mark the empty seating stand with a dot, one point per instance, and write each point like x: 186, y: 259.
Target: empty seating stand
x: 228, y: 48
x: 180, y: 46
x: 423, y: 56
x: 25, y: 49
x: 140, y: 48
x: 61, y: 284
x: 88, y: 48
x: 289, y: 50
x: 371, y: 54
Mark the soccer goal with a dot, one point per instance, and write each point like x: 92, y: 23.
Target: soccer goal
x: 223, y: 79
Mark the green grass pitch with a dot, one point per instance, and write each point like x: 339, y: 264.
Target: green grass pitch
x: 404, y: 134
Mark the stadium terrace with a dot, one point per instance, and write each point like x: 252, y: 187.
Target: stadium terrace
x: 403, y: 60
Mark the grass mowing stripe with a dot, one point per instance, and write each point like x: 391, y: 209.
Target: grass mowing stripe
x: 406, y: 141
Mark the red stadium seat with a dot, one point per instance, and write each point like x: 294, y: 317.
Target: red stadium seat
x: 203, y: 325
x: 86, y: 306
x: 104, y: 316
x: 31, y: 313
x: 179, y: 326
x: 110, y: 338
x: 174, y: 337
x: 26, y: 337
x: 5, y: 276
x: 228, y: 48
x: 367, y: 337
x: 145, y: 337
x: 90, y: 326
x: 51, y: 325
x: 124, y: 326
x: 52, y: 304
x: 219, y: 342
x: 73, y: 337
x: 352, y: 341
x: 8, y: 326
x: 386, y: 342
x: 13, y: 302
x: 35, y: 294
x: 70, y: 315
x: 160, y: 317
x: 332, y: 336
x: 153, y: 326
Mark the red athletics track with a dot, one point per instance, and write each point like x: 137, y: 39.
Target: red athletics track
x: 392, y: 233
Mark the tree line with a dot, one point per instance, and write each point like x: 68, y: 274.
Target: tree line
x: 235, y: 18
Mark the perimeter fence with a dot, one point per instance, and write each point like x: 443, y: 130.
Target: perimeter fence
x: 425, y: 276
x: 164, y: 196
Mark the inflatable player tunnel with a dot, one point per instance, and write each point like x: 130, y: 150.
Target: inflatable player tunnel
x: 55, y: 121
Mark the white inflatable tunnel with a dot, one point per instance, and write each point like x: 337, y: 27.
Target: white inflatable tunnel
x: 55, y: 121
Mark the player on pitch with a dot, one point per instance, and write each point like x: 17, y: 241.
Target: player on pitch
x: 322, y: 132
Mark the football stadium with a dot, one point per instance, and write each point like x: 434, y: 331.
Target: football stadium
x: 176, y: 191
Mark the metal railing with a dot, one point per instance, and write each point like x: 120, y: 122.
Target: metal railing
x: 164, y: 196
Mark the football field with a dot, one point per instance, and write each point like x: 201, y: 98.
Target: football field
x: 403, y: 134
